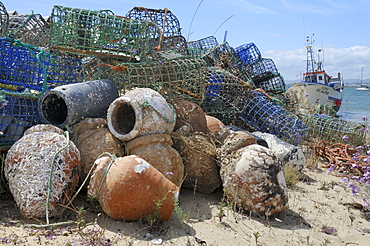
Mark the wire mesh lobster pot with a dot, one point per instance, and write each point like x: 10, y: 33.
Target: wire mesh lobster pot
x: 201, y: 46
x: 224, y: 56
x: 101, y: 34
x: 4, y: 20
x: 333, y: 130
x: 249, y: 53
x: 31, y: 29
x: 225, y: 95
x: 262, y: 70
x: 25, y: 73
x: 182, y: 77
x: 264, y: 115
x: 274, y: 84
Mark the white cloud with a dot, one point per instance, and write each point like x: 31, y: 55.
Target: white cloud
x: 348, y: 61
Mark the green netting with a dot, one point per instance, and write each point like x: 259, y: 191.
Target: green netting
x: 4, y: 20
x: 201, y: 46
x: 31, y: 29
x: 182, y: 77
x: 225, y: 57
x: 333, y: 130
x: 225, y: 95
x: 164, y: 18
x: 102, y: 34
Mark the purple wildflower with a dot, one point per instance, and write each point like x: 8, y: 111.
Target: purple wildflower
x: 364, y: 118
x: 4, y: 103
x: 366, y: 129
x: 329, y: 230
x: 169, y: 173
x: 134, y: 51
x: 345, y: 137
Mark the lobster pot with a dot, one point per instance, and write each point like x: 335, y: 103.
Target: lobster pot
x: 26, y: 68
x: 224, y: 56
x: 266, y: 116
x: 175, y: 44
x: 332, y: 130
x: 275, y: 84
x: 101, y: 34
x: 224, y: 94
x: 262, y: 70
x: 181, y: 77
x: 167, y: 22
x: 201, y: 46
x: 4, y: 20
x: 16, y: 115
x: 249, y: 53
x: 31, y: 29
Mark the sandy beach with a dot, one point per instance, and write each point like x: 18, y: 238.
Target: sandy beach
x: 321, y: 211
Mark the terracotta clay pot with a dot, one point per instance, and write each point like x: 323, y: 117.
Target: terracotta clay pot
x: 131, y: 189
x: 139, y: 112
x: 27, y: 168
x: 191, y: 114
x: 214, y: 125
x: 198, y: 155
x: 157, y: 150
x: 253, y: 180
x: 92, y: 138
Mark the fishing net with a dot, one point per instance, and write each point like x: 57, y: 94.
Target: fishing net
x: 249, y: 53
x: 225, y: 95
x: 333, y: 130
x: 201, y: 46
x: 25, y: 73
x: 275, y: 84
x: 31, y: 29
x: 182, y: 77
x: 262, y: 70
x: 264, y: 115
x: 4, y: 20
x: 224, y: 56
x: 102, y: 34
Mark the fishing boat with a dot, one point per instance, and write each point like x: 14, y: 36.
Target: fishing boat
x: 316, y: 86
x: 360, y: 86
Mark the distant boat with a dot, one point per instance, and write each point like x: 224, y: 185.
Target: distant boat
x: 362, y: 87
x: 316, y: 86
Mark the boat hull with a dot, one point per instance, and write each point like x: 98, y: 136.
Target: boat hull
x: 315, y: 94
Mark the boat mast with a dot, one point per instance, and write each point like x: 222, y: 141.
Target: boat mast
x: 310, y: 63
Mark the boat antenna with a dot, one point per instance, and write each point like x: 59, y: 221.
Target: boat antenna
x: 191, y: 23
x: 223, y: 23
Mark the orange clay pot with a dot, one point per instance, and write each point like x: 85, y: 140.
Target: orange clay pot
x: 214, y: 125
x: 157, y: 150
x: 191, y: 114
x: 131, y: 189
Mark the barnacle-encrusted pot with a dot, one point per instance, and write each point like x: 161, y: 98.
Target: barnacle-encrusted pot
x: 198, y: 155
x: 139, y: 112
x: 92, y: 138
x: 129, y: 188
x: 189, y: 113
x: 157, y: 150
x: 253, y: 179
x: 27, y: 168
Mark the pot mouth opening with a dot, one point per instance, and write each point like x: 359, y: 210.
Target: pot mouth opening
x: 125, y: 118
x: 54, y: 109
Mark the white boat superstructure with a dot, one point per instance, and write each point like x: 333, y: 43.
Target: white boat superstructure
x: 317, y: 87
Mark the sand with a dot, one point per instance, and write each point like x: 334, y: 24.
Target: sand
x: 321, y: 211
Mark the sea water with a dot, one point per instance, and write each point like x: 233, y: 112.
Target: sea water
x: 355, y: 105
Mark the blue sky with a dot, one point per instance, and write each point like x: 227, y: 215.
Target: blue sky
x: 277, y: 27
